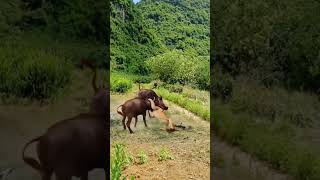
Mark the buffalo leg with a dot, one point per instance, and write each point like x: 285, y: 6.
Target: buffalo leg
x: 128, y: 124
x: 124, y: 122
x: 144, y: 119
x: 136, y: 120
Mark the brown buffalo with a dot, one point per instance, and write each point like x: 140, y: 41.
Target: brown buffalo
x: 150, y: 94
x: 133, y: 108
x: 74, y: 146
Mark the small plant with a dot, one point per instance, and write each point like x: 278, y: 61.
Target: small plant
x: 120, y: 158
x: 142, y: 157
x: 164, y: 155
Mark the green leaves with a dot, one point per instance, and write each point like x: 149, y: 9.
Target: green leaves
x: 181, y: 67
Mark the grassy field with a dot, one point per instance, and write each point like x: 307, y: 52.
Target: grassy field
x: 271, y: 124
x: 185, y: 147
x: 157, y: 154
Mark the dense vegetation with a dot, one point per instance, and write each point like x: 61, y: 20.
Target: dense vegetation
x: 49, y: 37
x: 265, y: 79
x: 273, y: 42
x: 150, y: 34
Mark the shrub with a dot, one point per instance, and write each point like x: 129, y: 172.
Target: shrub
x: 180, y: 67
x: 202, y: 75
x: 120, y: 84
x: 32, y: 73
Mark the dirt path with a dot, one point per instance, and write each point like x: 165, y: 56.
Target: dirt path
x: 19, y: 124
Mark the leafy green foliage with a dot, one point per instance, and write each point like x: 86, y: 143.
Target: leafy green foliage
x: 274, y: 42
x: 150, y: 28
x: 180, y: 25
x: 131, y: 43
x: 178, y: 67
x: 79, y: 19
x: 120, y: 83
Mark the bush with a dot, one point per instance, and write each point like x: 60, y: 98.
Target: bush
x: 32, y: 73
x: 202, y: 75
x: 120, y: 84
x: 179, y: 67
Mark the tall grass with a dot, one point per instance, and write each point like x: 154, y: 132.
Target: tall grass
x: 32, y: 73
x: 265, y: 121
x: 195, y: 106
x: 301, y: 109
x: 273, y: 145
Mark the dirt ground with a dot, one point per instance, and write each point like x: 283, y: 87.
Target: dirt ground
x: 190, y: 148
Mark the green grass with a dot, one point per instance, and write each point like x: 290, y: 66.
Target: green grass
x: 164, y: 155
x: 120, y: 158
x: 273, y: 145
x: 195, y: 106
x: 142, y: 157
x: 32, y: 73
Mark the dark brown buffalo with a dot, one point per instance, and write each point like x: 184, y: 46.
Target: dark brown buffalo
x: 133, y: 108
x: 74, y: 146
x: 150, y: 94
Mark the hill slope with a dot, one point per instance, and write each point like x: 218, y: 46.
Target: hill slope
x: 153, y: 27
